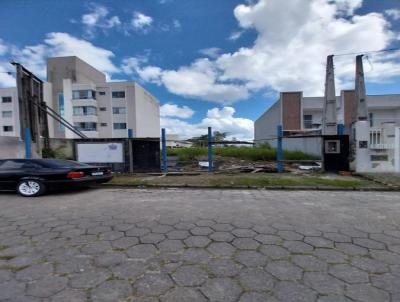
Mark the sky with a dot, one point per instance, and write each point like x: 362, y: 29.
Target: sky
x: 210, y: 63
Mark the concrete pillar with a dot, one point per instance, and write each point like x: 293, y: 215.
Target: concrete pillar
x: 363, y: 157
x: 329, y: 116
x: 397, y: 149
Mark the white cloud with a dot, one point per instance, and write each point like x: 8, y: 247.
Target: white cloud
x: 212, y: 52
x: 288, y: 55
x: 347, y: 7
x: 56, y: 44
x: 172, y: 110
x: 291, y: 55
x: 200, y: 80
x: 141, y: 22
x: 6, y: 75
x: 176, y: 24
x: 98, y: 19
x: 394, y: 13
x: 235, y: 35
x: 222, y: 120
x: 3, y: 48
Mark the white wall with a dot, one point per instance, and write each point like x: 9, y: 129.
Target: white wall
x: 14, y: 107
x: 13, y: 147
x: 265, y: 125
x: 147, y: 113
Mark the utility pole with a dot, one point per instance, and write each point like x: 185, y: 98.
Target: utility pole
x: 361, y: 127
x: 362, y: 109
x: 329, y: 119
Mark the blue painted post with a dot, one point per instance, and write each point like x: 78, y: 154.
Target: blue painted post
x: 164, y: 150
x: 279, y: 150
x: 28, y: 144
x: 210, y: 155
x: 130, y: 133
x: 340, y: 129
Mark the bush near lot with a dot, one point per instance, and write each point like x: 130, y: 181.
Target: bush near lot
x: 263, y: 153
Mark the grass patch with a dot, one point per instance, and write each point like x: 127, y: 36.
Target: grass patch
x: 14, y: 268
x: 252, y: 153
x: 245, y: 180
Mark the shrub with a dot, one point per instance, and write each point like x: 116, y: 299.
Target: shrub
x: 261, y: 153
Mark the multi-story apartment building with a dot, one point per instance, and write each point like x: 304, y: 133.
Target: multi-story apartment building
x: 83, y: 97
x: 9, y: 122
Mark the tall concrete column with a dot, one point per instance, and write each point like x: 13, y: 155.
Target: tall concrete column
x: 329, y: 119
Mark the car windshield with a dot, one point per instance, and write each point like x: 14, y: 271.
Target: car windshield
x: 58, y: 163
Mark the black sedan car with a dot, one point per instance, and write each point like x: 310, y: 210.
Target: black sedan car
x: 33, y: 177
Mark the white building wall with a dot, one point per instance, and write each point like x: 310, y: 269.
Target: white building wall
x: 142, y: 110
x: 147, y: 113
x: 265, y: 125
x: 12, y: 121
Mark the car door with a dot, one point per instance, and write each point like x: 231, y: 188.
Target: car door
x: 11, y: 170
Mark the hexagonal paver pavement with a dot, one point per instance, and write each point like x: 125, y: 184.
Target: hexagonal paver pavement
x: 200, y: 245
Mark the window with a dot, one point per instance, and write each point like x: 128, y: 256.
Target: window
x: 332, y: 146
x: 85, y: 110
x: 86, y: 126
x: 103, y: 124
x: 379, y: 157
x: 371, y: 119
x: 6, y: 99
x: 102, y: 92
x: 11, y: 164
x: 8, y: 128
x: 119, y: 110
x: 119, y: 126
x: 103, y: 109
x: 6, y: 114
x: 83, y: 94
x: 61, y: 108
x: 307, y: 120
x: 118, y: 94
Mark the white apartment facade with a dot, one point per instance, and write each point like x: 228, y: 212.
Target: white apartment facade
x: 9, y: 122
x: 82, y: 96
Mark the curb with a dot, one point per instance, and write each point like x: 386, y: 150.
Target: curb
x: 272, y: 188
x: 370, y: 178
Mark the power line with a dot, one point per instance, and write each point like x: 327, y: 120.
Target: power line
x: 366, y: 52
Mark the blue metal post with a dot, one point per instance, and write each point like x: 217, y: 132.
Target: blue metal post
x: 279, y: 150
x: 28, y: 144
x: 210, y: 155
x: 340, y: 129
x: 130, y: 133
x: 164, y: 150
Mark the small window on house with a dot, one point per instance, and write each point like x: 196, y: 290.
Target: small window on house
x: 7, y: 128
x: 371, y: 119
x: 119, y: 126
x: 332, y: 146
x: 119, y: 110
x: 103, y: 109
x: 102, y: 92
x: 307, y: 120
x: 118, y: 94
x: 6, y: 114
x: 103, y: 124
x: 86, y: 126
x: 83, y: 94
x: 6, y: 99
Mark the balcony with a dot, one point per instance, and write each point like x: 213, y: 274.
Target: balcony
x: 379, y: 139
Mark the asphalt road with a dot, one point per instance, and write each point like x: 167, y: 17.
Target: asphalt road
x: 200, y: 245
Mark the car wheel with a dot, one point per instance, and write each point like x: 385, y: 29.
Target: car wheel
x: 30, y: 188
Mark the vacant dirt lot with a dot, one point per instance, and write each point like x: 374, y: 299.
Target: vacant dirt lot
x: 200, y: 245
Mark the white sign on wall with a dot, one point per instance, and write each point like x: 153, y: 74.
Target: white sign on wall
x: 100, y: 152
